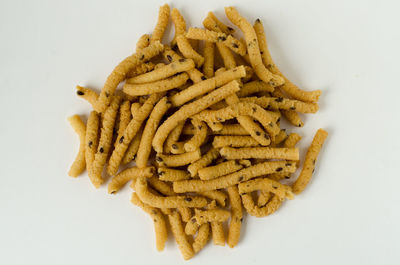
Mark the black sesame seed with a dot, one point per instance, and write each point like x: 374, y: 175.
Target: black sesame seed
x: 234, y: 45
x: 234, y: 70
x: 230, y: 29
x: 313, y: 170
x: 193, y: 220
x: 254, y: 40
x: 258, y: 133
x: 293, y: 108
x: 278, y: 120
x: 203, y: 78
x: 240, y: 178
x: 182, y: 60
x: 169, y: 58
x: 101, y: 150
x: 266, y: 136
x: 174, y: 146
x: 299, y: 125
x: 287, y: 177
x: 188, y: 199
x: 261, y: 52
x: 90, y: 144
x: 107, y: 94
x: 199, y: 127
x: 241, y: 219
x: 121, y: 139
x: 142, y: 57
x: 280, y: 99
x: 279, y: 169
x: 314, y: 162
x: 258, y: 20
x: 288, y: 164
x: 159, y: 159
x: 254, y: 109
x: 80, y: 93
x: 275, y: 187
x: 161, y: 173
x: 221, y: 38
x: 270, y: 124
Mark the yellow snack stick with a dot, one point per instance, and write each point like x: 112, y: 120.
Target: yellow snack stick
x: 264, y: 197
x: 198, y: 137
x: 289, y: 88
x: 140, y: 69
x: 152, y: 123
x: 204, y: 161
x: 260, y: 211
x: 170, y: 174
x: 143, y: 42
x: 157, y: 86
x: 160, y: 224
x: 219, y: 170
x: 133, y: 147
x: 292, y: 140
x: 227, y: 57
x: 171, y: 143
x: 120, y: 71
x: 189, y: 110
x: 202, y: 237
x: 178, y: 160
x: 252, y: 47
x: 187, y: 51
x: 236, y: 216
x: 179, y: 22
x: 254, y: 87
x: 197, y: 185
x: 130, y: 131
x: 79, y: 164
x: 217, y: 228
x: 291, y: 115
x: 201, y: 217
x: 215, y: 195
x: 162, y: 22
x: 283, y: 103
x: 215, y: 126
x: 128, y: 174
x: 92, y: 140
x: 228, y: 129
x: 180, y: 237
x: 186, y: 213
x: 249, y: 74
x: 162, y: 187
x: 234, y: 141
x: 87, y: 94
x: 281, y: 190
x: 211, y: 22
x: 260, y: 153
x: 309, y: 162
x: 124, y: 117
x: 279, y: 138
x: 208, y: 66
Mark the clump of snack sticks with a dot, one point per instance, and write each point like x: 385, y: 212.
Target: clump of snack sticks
x: 203, y: 129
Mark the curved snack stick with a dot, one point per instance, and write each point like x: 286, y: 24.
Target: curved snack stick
x: 219, y: 170
x: 290, y: 88
x: 211, y: 22
x: 197, y: 185
x: 201, y: 217
x: 171, y: 143
x: 162, y: 187
x: 178, y: 160
x: 133, y: 147
x: 234, y: 141
x: 162, y: 22
x: 92, y: 140
x: 217, y: 228
x: 252, y: 47
x: 170, y: 174
x: 236, y: 218
x: 283, y: 103
x: 231, y: 129
x: 291, y: 115
x: 292, y: 140
x: 254, y: 87
x: 186, y: 213
x: 264, y: 197
x: 163, y: 72
x: 143, y: 42
x: 79, y: 164
x: 155, y: 87
x: 204, y: 161
x: 160, y: 224
x: 280, y: 137
x: 265, y: 184
x: 124, y: 117
x: 179, y: 22
x: 119, y: 180
x: 198, y: 137
x: 140, y: 69
x: 260, y: 153
x: 309, y: 162
x: 87, y: 94
x: 215, y: 195
x: 130, y: 131
x: 180, y: 236
x: 189, y: 110
x: 206, y: 86
x: 208, y: 66
x: 261, y: 211
x: 227, y: 57
x: 166, y: 202
x: 104, y: 146
x: 149, y: 130
x: 249, y: 74
x: 187, y: 51
x: 202, y: 237
x: 120, y: 71
x: 215, y: 126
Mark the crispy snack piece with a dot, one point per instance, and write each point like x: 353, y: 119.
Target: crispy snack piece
x: 218, y: 196
x: 162, y: 22
x: 261, y: 211
x: 234, y: 178
x: 206, y: 86
x: 236, y: 216
x: 219, y: 170
x: 119, y: 180
x: 92, y: 140
x: 254, y: 87
x: 217, y: 228
x: 289, y: 88
x: 88, y: 94
x: 162, y: 72
x: 160, y: 224
x: 189, y: 110
x: 198, y: 137
x: 252, y: 47
x: 120, y: 71
x: 179, y: 22
x: 105, y: 141
x: 234, y: 141
x: 283, y: 103
x: 144, y: 150
x: 186, y: 213
x: 202, y: 237
x: 157, y: 86
x: 140, y: 69
x: 211, y: 22
x: 171, y: 143
x: 124, y: 117
x: 180, y: 236
x: 281, y: 190
x: 130, y: 131
x: 280, y: 137
x: 178, y: 160
x: 166, y: 202
x: 143, y: 42
x: 204, y: 161
x: 309, y: 162
x: 249, y: 74
x: 187, y: 51
x: 79, y: 164
x: 260, y: 153
x: 208, y: 66
x: 170, y: 174
x: 292, y: 140
x: 133, y: 147
x: 291, y: 115
x: 201, y: 217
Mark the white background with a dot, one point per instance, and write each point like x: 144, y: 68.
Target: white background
x: 349, y: 214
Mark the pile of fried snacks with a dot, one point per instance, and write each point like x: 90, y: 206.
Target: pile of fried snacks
x: 199, y: 118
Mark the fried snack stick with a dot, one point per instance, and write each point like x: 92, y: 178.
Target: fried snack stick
x: 280, y: 137
x: 211, y: 22
x: 204, y: 161
x: 170, y: 174
x: 252, y: 47
x: 309, y: 162
x: 92, y: 140
x: 227, y: 129
x: 87, y: 94
x: 202, y: 237
x: 292, y: 140
x: 215, y: 195
x: 178, y: 160
x: 130, y: 131
x: 133, y: 147
x: 149, y: 130
x: 265, y: 184
x: 289, y: 88
x: 160, y: 224
x: 217, y: 228
x: 291, y: 115
x: 143, y: 42
x: 198, y: 137
x: 260, y: 153
x: 263, y: 210
x: 189, y: 110
x: 234, y: 141
x: 249, y: 74
x: 120, y: 71
x: 166, y: 202
x: 217, y: 37
x: 79, y: 164
x: 155, y: 87
x: 140, y: 69
x: 171, y: 144
x: 236, y: 216
x: 208, y: 66
x: 283, y: 103
x: 164, y: 71
x: 119, y: 180
x: 162, y: 22
x: 197, y: 185
x: 180, y: 236
x: 206, y: 86
x: 124, y: 117
x: 254, y: 87
x: 219, y: 170
x: 201, y: 217
x: 105, y: 141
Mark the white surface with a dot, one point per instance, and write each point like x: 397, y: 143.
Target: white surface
x: 349, y: 214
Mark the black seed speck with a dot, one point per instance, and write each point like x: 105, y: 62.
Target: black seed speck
x: 237, y: 163
x: 188, y: 199
x: 279, y: 169
x: 203, y: 78
x: 101, y: 150
x: 270, y: 124
x: 288, y: 164
x: 254, y: 109
x: 275, y: 187
x: 299, y: 125
x: 234, y: 45
x: 293, y: 108
x: 174, y: 146
x: 241, y: 219
x: 234, y: 70
x: 169, y: 58
x: 80, y: 93
x: 261, y: 52
x: 240, y: 178
x: 313, y: 170
x: 287, y: 177
x: 107, y: 94
x: 141, y: 57
x: 193, y: 220
x: 266, y: 136
x: 280, y: 99
x: 199, y: 127
x: 258, y: 133
x: 121, y: 139
x: 278, y: 120
x: 230, y: 29
x: 182, y: 60
x: 314, y: 162
x: 90, y: 144
x: 221, y: 38
x: 159, y: 159
x: 258, y: 20
x: 254, y: 40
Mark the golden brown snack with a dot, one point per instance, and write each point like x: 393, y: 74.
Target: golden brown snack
x: 162, y: 22
x: 292, y: 140
x: 215, y: 195
x: 260, y: 153
x: 283, y: 103
x: 140, y: 69
x: 265, y: 184
x: 204, y: 161
x: 291, y: 115
x: 254, y: 87
x: 211, y: 22
x: 208, y: 66
x: 280, y: 137
x: 79, y: 164
x: 143, y: 42
x: 202, y: 237
x: 92, y: 140
x: 178, y: 160
x: 133, y: 147
x: 171, y: 143
x: 201, y: 217
x: 187, y: 51
x: 124, y: 117
x: 88, y: 94
x: 260, y: 211
x: 236, y: 216
x: 170, y: 174
x: 309, y: 162
x: 234, y: 141
x: 180, y: 236
x: 198, y: 137
x: 119, y: 180
x: 219, y: 170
